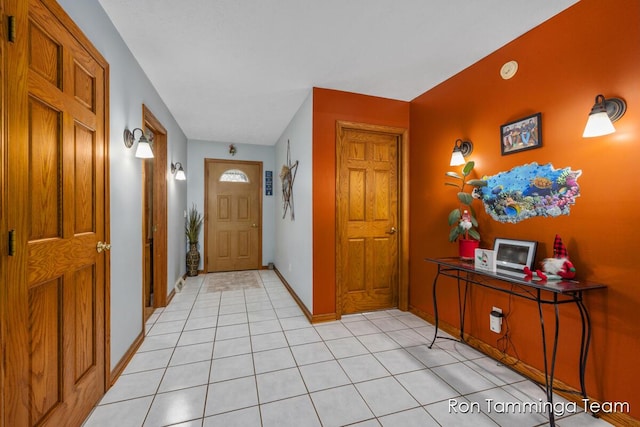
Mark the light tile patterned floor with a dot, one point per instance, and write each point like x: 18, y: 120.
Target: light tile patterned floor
x: 249, y: 358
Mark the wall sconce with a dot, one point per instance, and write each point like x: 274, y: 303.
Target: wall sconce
x: 461, y: 149
x: 143, y: 150
x: 603, y: 114
x: 232, y: 149
x: 176, y: 169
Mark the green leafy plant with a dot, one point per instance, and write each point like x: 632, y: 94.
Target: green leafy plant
x: 462, y: 219
x: 193, y: 224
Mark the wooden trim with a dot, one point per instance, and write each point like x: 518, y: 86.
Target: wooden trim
x: 312, y: 319
x: 403, y: 209
x: 620, y: 419
x: 403, y: 258
x: 303, y: 307
x: 126, y: 358
x: 524, y: 369
x: 328, y: 317
x: 107, y: 234
x: 160, y: 240
x: 3, y: 209
x: 171, y: 295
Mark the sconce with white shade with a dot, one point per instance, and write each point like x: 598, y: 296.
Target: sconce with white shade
x: 604, y: 113
x: 461, y: 149
x: 178, y: 171
x: 143, y: 150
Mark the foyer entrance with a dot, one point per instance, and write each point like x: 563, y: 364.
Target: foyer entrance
x: 233, y: 215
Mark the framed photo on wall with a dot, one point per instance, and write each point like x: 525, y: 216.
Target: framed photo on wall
x: 523, y: 134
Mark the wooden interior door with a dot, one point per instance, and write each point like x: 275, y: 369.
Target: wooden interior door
x: 158, y: 228
x: 147, y: 238
x: 55, y: 350
x: 367, y: 218
x: 233, y: 215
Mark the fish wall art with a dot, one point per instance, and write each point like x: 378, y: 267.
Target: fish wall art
x: 528, y: 191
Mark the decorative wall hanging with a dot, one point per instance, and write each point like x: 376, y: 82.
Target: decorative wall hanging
x: 268, y: 183
x: 288, y: 175
x: 232, y: 149
x: 528, y: 191
x: 523, y: 134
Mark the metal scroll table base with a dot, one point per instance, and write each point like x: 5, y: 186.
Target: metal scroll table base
x: 542, y: 293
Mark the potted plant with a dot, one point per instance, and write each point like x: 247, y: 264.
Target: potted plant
x: 462, y: 219
x: 192, y: 230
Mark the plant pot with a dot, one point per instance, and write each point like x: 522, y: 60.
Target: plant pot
x: 193, y: 259
x: 468, y: 248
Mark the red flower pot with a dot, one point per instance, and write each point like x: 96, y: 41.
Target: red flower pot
x: 468, y: 248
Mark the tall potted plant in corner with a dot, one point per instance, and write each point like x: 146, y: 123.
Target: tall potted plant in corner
x: 462, y: 219
x: 192, y: 230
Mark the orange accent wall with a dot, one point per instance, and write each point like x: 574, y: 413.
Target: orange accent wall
x: 330, y: 106
x: 591, y: 48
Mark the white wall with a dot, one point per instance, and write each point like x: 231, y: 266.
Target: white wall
x: 198, y: 151
x: 294, y: 247
x: 129, y: 89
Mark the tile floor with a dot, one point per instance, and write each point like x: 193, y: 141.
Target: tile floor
x: 250, y: 358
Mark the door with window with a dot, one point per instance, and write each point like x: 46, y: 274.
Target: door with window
x: 233, y: 215
x: 56, y: 354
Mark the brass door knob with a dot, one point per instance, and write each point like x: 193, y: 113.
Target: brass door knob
x: 102, y: 246
x: 254, y: 225
x: 392, y: 231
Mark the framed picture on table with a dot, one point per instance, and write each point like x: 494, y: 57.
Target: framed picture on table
x: 485, y: 260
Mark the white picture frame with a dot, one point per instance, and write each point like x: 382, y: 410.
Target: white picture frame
x: 485, y: 259
x: 513, y: 255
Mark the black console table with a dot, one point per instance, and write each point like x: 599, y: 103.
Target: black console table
x: 552, y: 292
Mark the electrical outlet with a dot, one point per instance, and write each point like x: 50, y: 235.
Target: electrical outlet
x: 495, y: 320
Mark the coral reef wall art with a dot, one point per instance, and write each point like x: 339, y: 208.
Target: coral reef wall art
x: 528, y: 191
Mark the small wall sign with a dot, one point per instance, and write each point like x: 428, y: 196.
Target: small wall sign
x: 268, y: 183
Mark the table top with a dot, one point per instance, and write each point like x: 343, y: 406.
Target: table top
x: 558, y: 286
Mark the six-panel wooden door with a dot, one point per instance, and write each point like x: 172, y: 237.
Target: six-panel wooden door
x: 367, y: 218
x: 58, y: 212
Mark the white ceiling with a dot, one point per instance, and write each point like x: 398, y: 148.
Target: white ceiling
x: 236, y: 71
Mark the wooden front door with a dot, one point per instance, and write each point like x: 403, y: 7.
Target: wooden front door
x: 367, y: 218
x: 56, y: 293
x: 233, y: 215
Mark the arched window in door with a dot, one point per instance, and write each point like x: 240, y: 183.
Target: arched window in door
x: 234, y: 175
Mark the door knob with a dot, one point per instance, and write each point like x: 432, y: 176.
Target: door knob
x: 392, y: 231
x: 102, y: 247
x: 254, y: 225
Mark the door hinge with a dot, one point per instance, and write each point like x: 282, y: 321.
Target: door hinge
x: 11, y: 28
x: 12, y: 242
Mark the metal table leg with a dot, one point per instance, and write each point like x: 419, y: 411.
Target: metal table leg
x: 462, y: 305
x: 435, y: 308
x: 584, y: 341
x: 549, y: 373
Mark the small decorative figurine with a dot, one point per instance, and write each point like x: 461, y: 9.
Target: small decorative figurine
x: 557, y: 268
